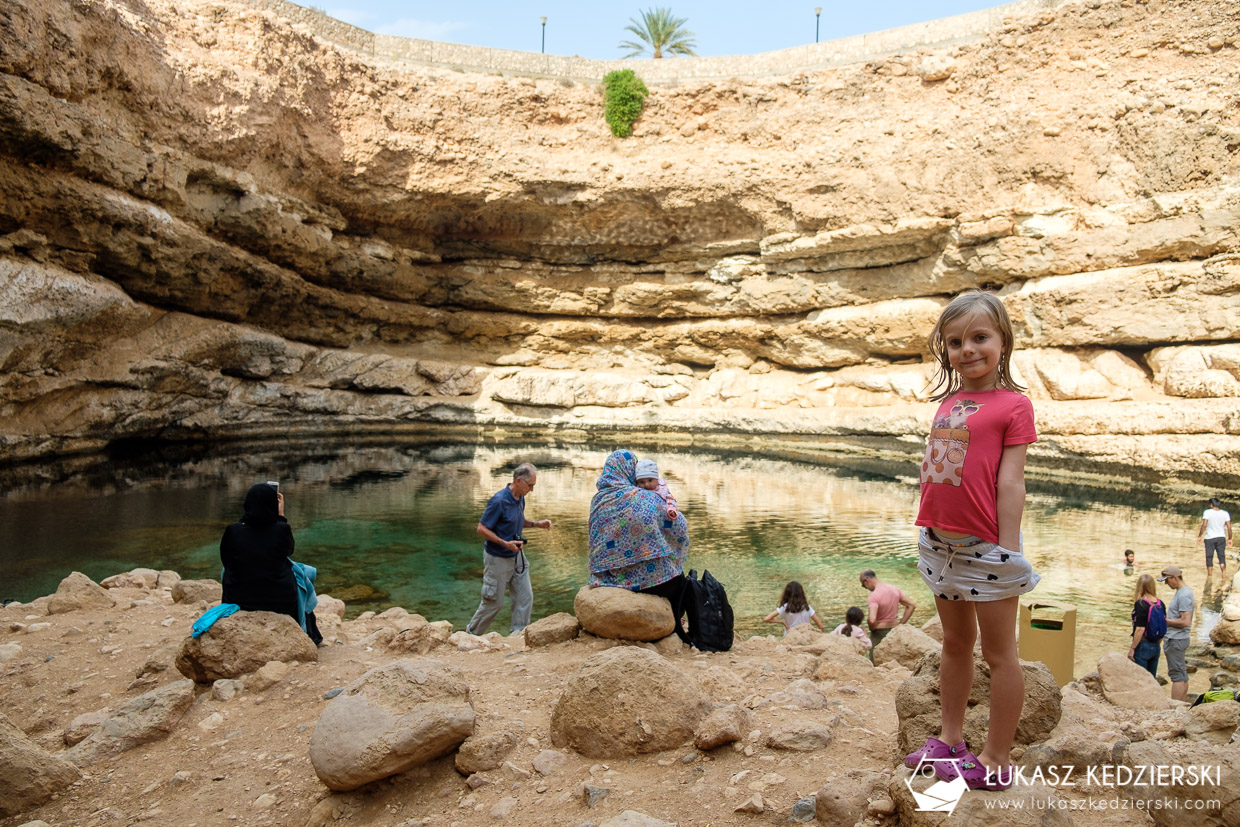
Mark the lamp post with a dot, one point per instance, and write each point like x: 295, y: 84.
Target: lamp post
x: 817, y: 17
x: 543, y: 20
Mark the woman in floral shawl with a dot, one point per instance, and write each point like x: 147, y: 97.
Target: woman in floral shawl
x: 633, y: 544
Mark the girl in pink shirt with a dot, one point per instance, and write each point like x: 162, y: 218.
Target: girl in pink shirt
x: 853, y: 626
x: 972, y: 499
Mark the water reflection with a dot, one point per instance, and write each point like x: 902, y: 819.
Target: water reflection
x: 394, y: 525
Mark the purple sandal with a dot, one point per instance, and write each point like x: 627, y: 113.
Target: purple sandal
x: 975, y: 774
x: 935, y: 749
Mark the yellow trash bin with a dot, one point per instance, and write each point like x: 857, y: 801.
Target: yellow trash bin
x: 1048, y: 634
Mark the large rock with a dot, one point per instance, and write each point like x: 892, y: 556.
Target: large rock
x: 29, y: 774
x: 724, y: 725
x: 484, y: 751
x: 802, y: 735
x: 620, y: 614
x: 133, y: 579
x: 905, y: 645
x: 1214, y: 722
x: 1130, y: 686
x: 193, y: 591
x: 557, y: 628
x: 419, y: 636
x: 1086, y: 731
x: 83, y: 725
x: 841, y: 658
x: 627, y: 701
x: 1024, y: 805
x: 917, y: 705
x: 77, y: 591
x: 146, y: 718
x: 1226, y: 633
x: 391, y: 719
x: 1173, y: 802
x: 844, y: 799
x: 241, y: 643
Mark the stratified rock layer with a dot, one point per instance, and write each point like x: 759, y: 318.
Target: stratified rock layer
x: 197, y: 244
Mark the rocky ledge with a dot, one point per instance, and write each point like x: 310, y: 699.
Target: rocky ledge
x: 214, y: 224
x: 399, y: 720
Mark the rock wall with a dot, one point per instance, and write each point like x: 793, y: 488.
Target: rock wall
x: 213, y: 224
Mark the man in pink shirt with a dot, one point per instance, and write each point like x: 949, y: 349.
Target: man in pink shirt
x: 884, y: 600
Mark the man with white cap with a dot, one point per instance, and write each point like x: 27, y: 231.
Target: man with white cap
x: 648, y: 478
x: 1179, y: 620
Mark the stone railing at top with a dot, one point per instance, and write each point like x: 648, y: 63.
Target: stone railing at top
x: 948, y: 31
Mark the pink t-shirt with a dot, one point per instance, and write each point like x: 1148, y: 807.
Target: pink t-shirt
x: 960, y: 472
x: 858, y: 632
x: 884, y: 606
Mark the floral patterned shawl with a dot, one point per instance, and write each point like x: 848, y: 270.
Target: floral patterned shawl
x: 633, y: 544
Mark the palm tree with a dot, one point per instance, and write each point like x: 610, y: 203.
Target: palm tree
x: 661, y: 33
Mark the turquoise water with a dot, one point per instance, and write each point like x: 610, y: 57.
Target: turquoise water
x: 395, y: 525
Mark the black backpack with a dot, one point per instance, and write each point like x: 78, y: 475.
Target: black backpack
x: 709, y: 612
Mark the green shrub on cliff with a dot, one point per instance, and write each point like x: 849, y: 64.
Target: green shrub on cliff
x: 624, y: 94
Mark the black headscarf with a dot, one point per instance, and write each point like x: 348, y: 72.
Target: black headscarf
x: 262, y: 508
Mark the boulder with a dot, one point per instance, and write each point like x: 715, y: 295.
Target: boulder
x: 146, y: 718
x: 167, y: 579
x: 724, y: 725
x: 627, y: 701
x: 1177, y: 803
x: 77, y: 591
x: 391, y: 719
x: 329, y: 605
x: 135, y: 579
x: 620, y: 614
x: 266, y: 676
x: 802, y: 694
x: 917, y: 705
x: 1231, y: 607
x: 934, y: 628
x: 845, y: 799
x: 557, y: 628
x: 1129, y: 686
x: 29, y: 774
x: 83, y: 725
x: 841, y: 658
x: 1017, y: 803
x: 241, y: 643
x: 1226, y: 633
x: 905, y: 645
x: 1214, y: 722
x: 484, y: 751
x: 802, y: 735
x: 419, y: 637
x: 549, y: 761
x: 1086, y: 731
x: 193, y: 591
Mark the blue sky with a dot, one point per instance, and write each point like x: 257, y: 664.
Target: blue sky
x: 594, y: 30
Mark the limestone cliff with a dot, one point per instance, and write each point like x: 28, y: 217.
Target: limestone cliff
x: 213, y: 223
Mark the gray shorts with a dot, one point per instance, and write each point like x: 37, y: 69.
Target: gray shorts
x: 1216, y: 545
x: 970, y: 568
x: 1174, y: 649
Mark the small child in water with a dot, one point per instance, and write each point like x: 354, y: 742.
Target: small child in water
x: 649, y: 479
x: 852, y: 626
x: 794, y: 610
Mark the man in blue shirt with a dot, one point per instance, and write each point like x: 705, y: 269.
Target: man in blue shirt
x: 504, y: 567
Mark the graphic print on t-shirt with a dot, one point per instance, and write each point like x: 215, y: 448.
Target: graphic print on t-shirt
x: 949, y: 444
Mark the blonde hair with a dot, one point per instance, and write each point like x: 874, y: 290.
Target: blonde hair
x: 1145, y: 585
x: 947, y: 381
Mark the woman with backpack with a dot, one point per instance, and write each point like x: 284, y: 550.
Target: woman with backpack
x: 1149, y: 624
